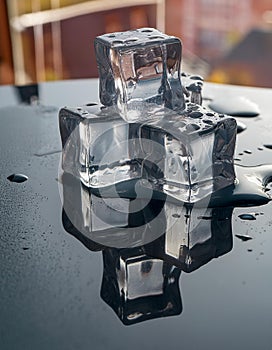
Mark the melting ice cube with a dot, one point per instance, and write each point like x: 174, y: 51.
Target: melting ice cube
x: 143, y: 131
x: 186, y: 156
x: 139, y: 66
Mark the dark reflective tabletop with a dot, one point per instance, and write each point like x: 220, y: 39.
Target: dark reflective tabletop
x: 62, y: 290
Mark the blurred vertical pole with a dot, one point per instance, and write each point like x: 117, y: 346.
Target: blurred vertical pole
x: 56, y: 43
x: 6, y: 63
x: 160, y: 15
x: 17, y: 45
x: 38, y: 44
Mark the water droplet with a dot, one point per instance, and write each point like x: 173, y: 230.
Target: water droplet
x: 235, y: 106
x: 195, y: 115
x: 156, y: 37
x: 195, y: 87
x: 204, y: 217
x: 147, y: 30
x: 196, y: 77
x: 208, y: 121
x: 131, y: 41
x: 91, y: 104
x: 268, y: 146
x: 249, y: 189
x: 192, y: 127
x: 210, y: 114
x: 247, y: 151
x: 247, y: 217
x: 244, y: 238
x: 117, y: 42
x: 176, y: 216
x: 240, y: 127
x: 19, y: 178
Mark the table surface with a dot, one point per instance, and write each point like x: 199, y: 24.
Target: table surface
x: 50, y: 282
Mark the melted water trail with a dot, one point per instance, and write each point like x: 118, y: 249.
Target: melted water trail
x: 19, y: 178
x: 47, y: 153
x: 249, y: 190
x: 235, y: 106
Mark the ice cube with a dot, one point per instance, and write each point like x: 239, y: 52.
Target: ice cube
x: 186, y: 156
x: 139, y: 287
x: 137, y: 67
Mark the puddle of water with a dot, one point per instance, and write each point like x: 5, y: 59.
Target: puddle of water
x: 236, y: 106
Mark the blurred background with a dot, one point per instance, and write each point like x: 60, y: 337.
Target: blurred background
x: 226, y: 41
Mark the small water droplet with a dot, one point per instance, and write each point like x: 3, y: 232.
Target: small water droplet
x: 195, y: 115
x: 19, y: 178
x: 197, y: 77
x: 210, y: 114
x: 247, y: 151
x: 176, y: 216
x: 91, y: 104
x: 117, y: 42
x: 268, y: 146
x: 208, y: 121
x: 240, y: 127
x: 204, y: 217
x: 244, y: 238
x: 192, y: 127
x: 247, y: 217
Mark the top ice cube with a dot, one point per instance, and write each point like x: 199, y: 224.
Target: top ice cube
x: 138, y: 69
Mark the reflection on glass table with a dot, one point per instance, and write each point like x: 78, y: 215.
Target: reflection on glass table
x: 144, y: 251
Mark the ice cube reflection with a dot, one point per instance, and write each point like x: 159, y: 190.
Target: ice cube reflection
x: 141, y: 277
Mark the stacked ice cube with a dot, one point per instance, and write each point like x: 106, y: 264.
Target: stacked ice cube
x: 145, y: 131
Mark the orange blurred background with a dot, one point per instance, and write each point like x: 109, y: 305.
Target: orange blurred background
x: 226, y: 41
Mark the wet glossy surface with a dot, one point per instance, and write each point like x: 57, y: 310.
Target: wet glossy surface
x: 50, y: 283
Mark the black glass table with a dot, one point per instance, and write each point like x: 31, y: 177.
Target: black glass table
x: 59, y: 290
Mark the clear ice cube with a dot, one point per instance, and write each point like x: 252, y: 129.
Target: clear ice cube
x: 137, y: 67
x: 139, y: 287
x: 185, y: 156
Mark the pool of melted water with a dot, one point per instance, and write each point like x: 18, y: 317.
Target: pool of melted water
x: 58, y: 287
